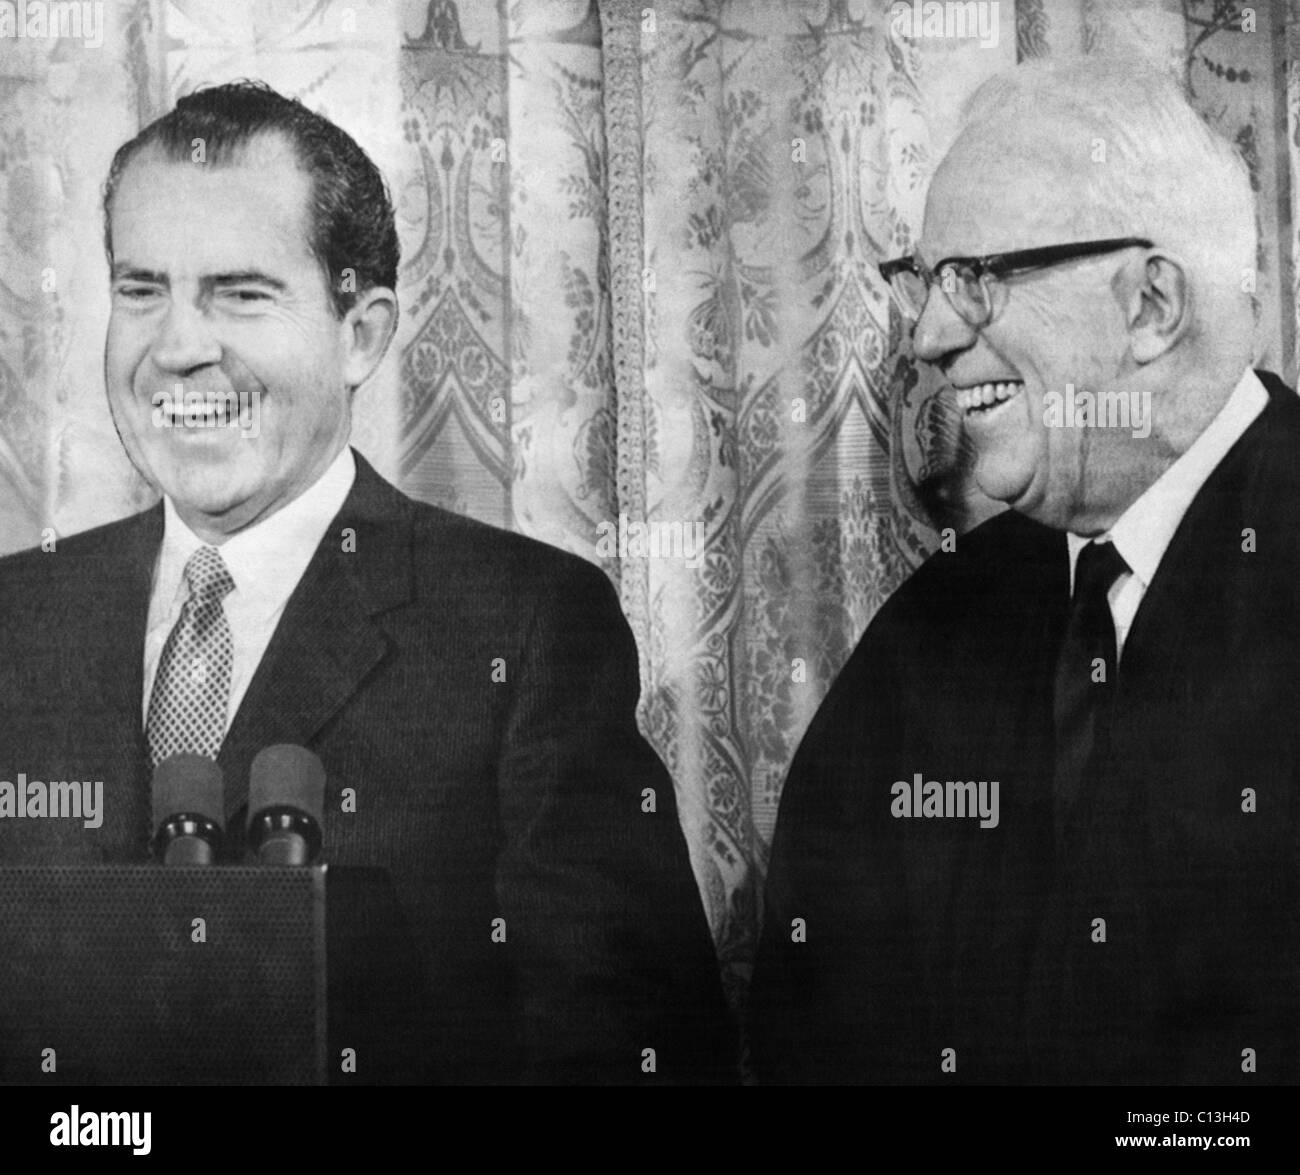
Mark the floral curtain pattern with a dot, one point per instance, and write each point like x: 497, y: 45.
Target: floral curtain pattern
x: 641, y: 318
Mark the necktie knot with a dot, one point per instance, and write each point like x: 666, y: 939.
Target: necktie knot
x: 207, y: 576
x: 1099, y: 566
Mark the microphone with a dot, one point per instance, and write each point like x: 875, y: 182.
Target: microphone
x: 187, y: 810
x: 286, y: 805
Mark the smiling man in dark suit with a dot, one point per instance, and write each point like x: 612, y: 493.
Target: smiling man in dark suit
x: 470, y: 692
x: 1044, y: 826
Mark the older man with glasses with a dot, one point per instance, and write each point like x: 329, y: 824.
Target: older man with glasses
x: 1046, y: 825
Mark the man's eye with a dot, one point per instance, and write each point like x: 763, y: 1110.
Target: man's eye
x: 136, y: 293
x: 246, y: 295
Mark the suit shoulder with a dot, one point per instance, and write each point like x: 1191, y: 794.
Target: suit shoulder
x: 503, y: 560
x: 451, y: 547
x: 1276, y: 440
x: 1006, y: 555
x: 994, y: 571
x: 106, y: 541
x: 494, y: 580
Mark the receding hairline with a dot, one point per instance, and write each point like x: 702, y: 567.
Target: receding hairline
x: 268, y: 143
x: 264, y: 147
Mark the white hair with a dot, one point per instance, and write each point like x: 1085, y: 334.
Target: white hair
x: 1146, y: 163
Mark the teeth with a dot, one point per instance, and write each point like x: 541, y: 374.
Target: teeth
x: 204, y: 412
x: 982, y: 395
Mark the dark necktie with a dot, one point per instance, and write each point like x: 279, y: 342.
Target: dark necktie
x: 1086, y: 671
x: 191, y: 690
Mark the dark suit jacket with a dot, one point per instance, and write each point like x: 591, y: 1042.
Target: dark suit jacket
x: 520, y: 799
x: 931, y: 934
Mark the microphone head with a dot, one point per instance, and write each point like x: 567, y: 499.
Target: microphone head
x: 188, y: 785
x: 287, y: 776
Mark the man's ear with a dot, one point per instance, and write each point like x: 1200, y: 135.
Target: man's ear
x: 1155, y: 296
x: 368, y: 328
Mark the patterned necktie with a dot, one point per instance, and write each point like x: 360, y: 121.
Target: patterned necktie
x: 187, y: 711
x: 1084, y: 688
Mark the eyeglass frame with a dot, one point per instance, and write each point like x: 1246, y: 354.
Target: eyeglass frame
x: 997, y: 266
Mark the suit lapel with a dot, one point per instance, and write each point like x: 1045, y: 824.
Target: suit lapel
x: 108, y: 690
x: 1183, y: 595
x: 327, y: 642
x: 1177, y: 647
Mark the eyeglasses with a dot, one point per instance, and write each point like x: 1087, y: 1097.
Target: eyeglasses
x: 970, y: 282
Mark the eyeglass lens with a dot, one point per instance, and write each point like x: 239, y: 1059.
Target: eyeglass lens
x: 963, y: 287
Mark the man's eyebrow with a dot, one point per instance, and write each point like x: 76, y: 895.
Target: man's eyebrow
x: 124, y: 271
x: 246, y: 277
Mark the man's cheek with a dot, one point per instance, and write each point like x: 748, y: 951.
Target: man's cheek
x: 123, y: 359
x: 248, y: 364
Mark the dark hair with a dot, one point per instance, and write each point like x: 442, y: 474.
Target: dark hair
x: 350, y: 214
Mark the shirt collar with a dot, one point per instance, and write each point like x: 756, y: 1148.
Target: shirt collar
x: 267, y: 560
x: 1144, y: 531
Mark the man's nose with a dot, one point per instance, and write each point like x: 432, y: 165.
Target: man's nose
x: 185, y: 339
x: 940, y: 330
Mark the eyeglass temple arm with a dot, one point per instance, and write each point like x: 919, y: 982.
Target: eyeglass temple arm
x: 995, y: 263
x: 1018, y: 259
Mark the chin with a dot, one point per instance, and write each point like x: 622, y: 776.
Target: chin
x: 1035, y: 503
x: 1002, y: 484
x: 212, y: 495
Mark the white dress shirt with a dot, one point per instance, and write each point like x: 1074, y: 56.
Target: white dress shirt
x: 266, y: 561
x: 1143, y: 532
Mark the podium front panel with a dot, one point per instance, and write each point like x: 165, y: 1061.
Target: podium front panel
x: 152, y: 975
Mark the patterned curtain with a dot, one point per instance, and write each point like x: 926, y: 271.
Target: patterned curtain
x: 641, y: 318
